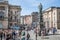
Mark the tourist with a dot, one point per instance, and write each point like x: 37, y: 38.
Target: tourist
x: 28, y: 36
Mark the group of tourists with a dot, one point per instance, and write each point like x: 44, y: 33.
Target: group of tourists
x: 49, y: 31
x: 12, y: 35
x: 8, y: 34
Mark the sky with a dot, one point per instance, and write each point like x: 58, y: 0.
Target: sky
x: 29, y: 6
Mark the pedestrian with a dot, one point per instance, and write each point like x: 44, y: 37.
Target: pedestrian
x: 54, y: 30
x: 36, y: 36
x: 47, y: 31
x: 20, y: 34
x: 9, y: 37
x: 14, y: 35
x: 1, y: 34
x: 28, y: 36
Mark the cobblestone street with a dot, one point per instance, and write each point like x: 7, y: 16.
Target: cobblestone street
x: 33, y: 37
x: 51, y: 37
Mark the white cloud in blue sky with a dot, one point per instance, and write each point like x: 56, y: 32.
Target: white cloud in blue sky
x: 29, y: 6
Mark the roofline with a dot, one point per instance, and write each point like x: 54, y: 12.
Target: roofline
x: 52, y: 8
x: 6, y: 3
x: 15, y: 6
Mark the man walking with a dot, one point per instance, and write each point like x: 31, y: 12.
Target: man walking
x: 28, y: 36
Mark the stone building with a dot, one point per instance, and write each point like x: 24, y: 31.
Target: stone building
x: 28, y: 20
x: 35, y: 19
x: 51, y: 17
x: 9, y: 14
x: 14, y: 15
x: 22, y: 20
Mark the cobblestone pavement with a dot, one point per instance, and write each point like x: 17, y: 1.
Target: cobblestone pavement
x: 51, y: 37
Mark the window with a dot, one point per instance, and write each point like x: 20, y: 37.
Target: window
x: 15, y: 24
x: 59, y: 13
x: 15, y: 12
x: 10, y: 24
x: 2, y: 8
x: 15, y: 17
x: 54, y: 13
x: 54, y: 24
x: 1, y: 15
x: 1, y: 25
x: 11, y: 18
x: 11, y: 12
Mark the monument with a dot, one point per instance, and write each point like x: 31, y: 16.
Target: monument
x: 40, y: 18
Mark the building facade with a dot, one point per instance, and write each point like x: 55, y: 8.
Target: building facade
x: 34, y: 18
x: 51, y: 17
x: 22, y: 20
x: 28, y: 20
x: 14, y: 15
x: 9, y: 14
